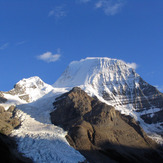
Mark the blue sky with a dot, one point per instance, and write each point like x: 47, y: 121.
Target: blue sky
x: 41, y: 37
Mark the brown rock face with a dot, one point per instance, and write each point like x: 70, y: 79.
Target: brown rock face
x: 2, y: 99
x: 8, y: 147
x: 100, y: 132
x: 8, y: 121
x: 74, y: 106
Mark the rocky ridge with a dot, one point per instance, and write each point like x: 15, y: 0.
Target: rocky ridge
x: 116, y: 83
x: 8, y: 120
x: 27, y: 90
x: 100, y: 132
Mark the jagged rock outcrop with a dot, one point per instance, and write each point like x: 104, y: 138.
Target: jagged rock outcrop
x: 28, y: 90
x: 100, y: 132
x: 8, y: 120
x: 2, y: 99
x: 144, y: 98
x: 8, y: 147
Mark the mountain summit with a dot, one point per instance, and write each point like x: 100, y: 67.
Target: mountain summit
x: 116, y: 83
x: 93, y: 71
x: 28, y: 90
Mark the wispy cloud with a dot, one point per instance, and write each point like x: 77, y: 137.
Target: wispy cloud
x: 4, y: 46
x: 58, y: 12
x: 110, y: 7
x: 49, y: 57
x: 133, y: 65
x: 20, y: 43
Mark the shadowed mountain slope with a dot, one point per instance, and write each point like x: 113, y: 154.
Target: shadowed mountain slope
x: 8, y: 147
x: 9, y: 153
x: 100, y: 132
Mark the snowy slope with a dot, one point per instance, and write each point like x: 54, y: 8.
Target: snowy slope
x: 25, y: 91
x: 30, y: 89
x: 100, y: 76
x: 37, y: 138
x: 116, y: 83
x: 94, y: 70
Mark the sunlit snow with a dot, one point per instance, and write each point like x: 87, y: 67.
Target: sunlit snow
x: 37, y: 138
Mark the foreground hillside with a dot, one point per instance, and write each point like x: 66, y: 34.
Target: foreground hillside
x: 100, y: 132
x: 8, y: 147
x: 9, y: 153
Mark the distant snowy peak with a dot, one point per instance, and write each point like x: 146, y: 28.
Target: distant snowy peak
x: 30, y: 83
x: 30, y: 89
x: 95, y: 70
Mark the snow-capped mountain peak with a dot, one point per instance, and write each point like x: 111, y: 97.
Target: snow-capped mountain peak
x: 92, y: 70
x: 30, y: 89
x: 31, y: 82
x: 116, y: 83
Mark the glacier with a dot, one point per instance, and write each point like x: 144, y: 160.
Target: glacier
x: 37, y: 137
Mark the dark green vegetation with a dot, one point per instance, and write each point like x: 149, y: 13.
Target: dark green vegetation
x: 100, y: 132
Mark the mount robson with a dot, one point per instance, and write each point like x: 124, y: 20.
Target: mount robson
x: 99, y: 111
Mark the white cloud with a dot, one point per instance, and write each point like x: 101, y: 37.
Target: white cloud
x: 58, y: 12
x: 110, y: 7
x: 4, y: 46
x: 133, y: 65
x: 49, y: 57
